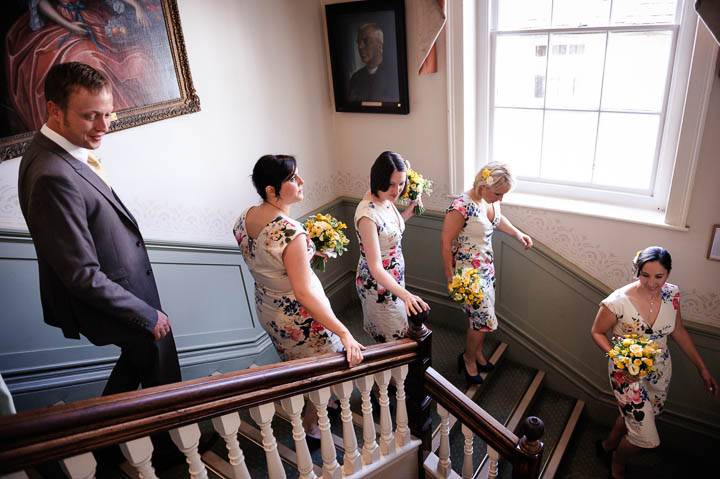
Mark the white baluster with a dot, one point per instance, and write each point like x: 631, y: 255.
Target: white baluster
x: 263, y: 416
x: 138, y: 453
x: 227, y: 426
x: 494, y: 458
x: 402, y: 431
x: 79, y: 467
x: 352, y: 462
x: 187, y: 439
x: 370, y: 449
x: 468, y: 470
x: 331, y: 468
x: 444, y: 463
x: 387, y: 438
x: 294, y: 406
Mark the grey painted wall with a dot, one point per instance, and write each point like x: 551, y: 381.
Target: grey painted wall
x: 546, y: 308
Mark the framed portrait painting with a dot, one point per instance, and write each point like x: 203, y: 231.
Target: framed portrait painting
x: 137, y: 44
x: 368, y: 56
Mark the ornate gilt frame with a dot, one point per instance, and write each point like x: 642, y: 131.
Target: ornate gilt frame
x: 188, y: 102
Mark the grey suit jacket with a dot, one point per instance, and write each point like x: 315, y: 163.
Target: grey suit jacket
x: 95, y: 275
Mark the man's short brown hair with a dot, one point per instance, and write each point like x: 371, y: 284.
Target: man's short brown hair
x: 63, y: 78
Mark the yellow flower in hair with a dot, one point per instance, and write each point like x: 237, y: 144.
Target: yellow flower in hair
x: 637, y: 256
x: 486, y: 175
x: 113, y: 116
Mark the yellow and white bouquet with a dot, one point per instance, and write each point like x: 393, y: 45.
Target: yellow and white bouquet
x: 634, y: 355
x: 327, y: 234
x: 466, y: 287
x: 416, y: 187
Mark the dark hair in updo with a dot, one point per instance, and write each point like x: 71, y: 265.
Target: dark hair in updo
x: 652, y: 253
x: 272, y: 170
x: 385, y: 165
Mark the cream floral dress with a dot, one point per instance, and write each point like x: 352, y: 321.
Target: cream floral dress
x: 294, y: 333
x: 384, y: 315
x: 641, y: 401
x: 473, y: 249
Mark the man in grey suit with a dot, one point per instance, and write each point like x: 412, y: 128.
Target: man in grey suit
x: 95, y: 275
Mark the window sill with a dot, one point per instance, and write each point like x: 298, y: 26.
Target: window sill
x: 587, y: 208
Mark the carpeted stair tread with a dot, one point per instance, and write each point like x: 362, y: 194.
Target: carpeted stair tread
x: 554, y: 409
x: 498, y: 397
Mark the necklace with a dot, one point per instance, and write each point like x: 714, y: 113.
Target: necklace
x: 652, y: 300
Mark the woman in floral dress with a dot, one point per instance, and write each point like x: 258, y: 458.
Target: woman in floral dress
x: 289, y: 299
x: 380, y: 277
x: 650, y: 308
x: 466, y: 242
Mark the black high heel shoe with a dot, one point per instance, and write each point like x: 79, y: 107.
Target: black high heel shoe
x: 486, y: 368
x: 477, y: 379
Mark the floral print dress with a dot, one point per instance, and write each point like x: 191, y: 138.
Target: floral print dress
x: 473, y: 249
x: 384, y: 315
x: 640, y: 401
x: 294, y: 333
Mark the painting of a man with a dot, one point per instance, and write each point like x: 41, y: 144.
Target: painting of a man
x: 375, y: 81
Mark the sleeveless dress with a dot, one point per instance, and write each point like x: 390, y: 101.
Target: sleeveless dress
x: 384, y: 315
x: 473, y: 249
x: 639, y: 402
x: 294, y: 333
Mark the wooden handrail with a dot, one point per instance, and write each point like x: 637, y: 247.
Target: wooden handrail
x: 62, y: 431
x: 524, y: 453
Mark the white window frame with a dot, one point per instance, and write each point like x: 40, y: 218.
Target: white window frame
x: 469, y: 99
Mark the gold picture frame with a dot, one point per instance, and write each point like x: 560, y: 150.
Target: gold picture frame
x: 111, y: 36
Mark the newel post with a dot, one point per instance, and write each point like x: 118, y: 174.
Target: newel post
x: 530, y: 449
x: 418, y: 401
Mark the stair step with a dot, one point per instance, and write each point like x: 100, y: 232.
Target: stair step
x: 519, y: 413
x: 555, y: 409
x: 470, y: 392
x: 553, y: 464
x: 499, y: 397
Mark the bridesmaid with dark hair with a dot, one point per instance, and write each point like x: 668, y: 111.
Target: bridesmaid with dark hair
x: 380, y: 277
x: 650, y: 308
x: 290, y: 301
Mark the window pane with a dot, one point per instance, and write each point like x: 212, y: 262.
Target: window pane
x: 519, y: 14
x: 520, y: 70
x: 568, y: 145
x: 626, y: 150
x: 580, y: 13
x: 633, y: 12
x: 516, y: 139
x: 636, y: 71
x: 575, y: 70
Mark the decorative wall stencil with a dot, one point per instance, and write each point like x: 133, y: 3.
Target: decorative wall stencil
x: 10, y: 214
x: 576, y: 247
x: 701, y: 306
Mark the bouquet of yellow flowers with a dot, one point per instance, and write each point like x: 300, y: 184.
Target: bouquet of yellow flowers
x: 635, y: 355
x: 327, y: 234
x: 465, y: 287
x: 416, y: 187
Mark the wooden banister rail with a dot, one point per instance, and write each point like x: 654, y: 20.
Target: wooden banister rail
x: 67, y: 430
x: 524, y: 453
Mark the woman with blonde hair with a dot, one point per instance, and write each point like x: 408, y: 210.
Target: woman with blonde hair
x: 469, y: 223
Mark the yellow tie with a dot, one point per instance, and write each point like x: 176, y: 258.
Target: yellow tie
x: 94, y: 163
